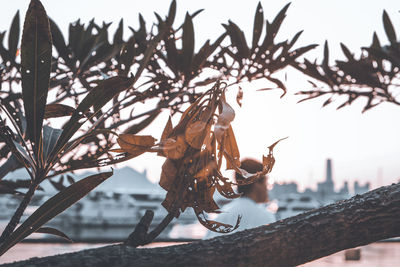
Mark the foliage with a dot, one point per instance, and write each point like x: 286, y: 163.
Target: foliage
x: 92, y: 86
x: 374, y: 75
x: 194, y: 150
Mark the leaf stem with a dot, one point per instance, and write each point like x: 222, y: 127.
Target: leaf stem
x: 140, y: 237
x: 18, y: 213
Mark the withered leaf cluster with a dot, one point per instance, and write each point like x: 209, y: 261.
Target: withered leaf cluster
x: 194, y: 150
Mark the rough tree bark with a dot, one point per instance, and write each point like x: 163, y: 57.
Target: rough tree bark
x: 358, y: 221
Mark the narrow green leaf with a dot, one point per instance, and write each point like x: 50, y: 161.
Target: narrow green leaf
x: 53, y: 231
x: 347, y: 52
x: 389, y: 29
x: 59, y: 186
x: 10, y: 165
x: 376, y: 44
x: 119, y: 33
x: 325, y: 62
x: 127, y: 56
x: 52, y: 207
x: 13, y: 36
x: 50, y: 137
x: 239, y: 40
x: 152, y: 44
x: 70, y: 179
x: 278, y: 83
x: 281, y: 16
x: 200, y: 58
x: 173, y: 61
x: 205, y: 52
x: 258, y: 25
x: 136, y: 128
x: 273, y: 28
x: 58, y: 110
x: 96, y: 98
x: 3, y: 52
x: 187, y: 43
x: 295, y: 38
x: 23, y: 153
x: 59, y: 42
x: 171, y: 13
x: 197, y: 12
x: 35, y: 70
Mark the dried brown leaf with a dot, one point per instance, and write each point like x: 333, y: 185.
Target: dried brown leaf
x: 231, y: 148
x: 139, y: 140
x: 174, y: 149
x: 224, y: 187
x: 167, y: 130
x: 196, y: 132
x: 168, y: 174
x: 239, y: 96
x: 207, y: 170
x: 225, y: 118
x: 216, y: 226
x: 132, y: 150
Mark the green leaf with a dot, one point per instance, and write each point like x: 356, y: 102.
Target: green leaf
x: 152, y: 44
x: 52, y: 207
x: 13, y: 36
x: 10, y: 165
x: 347, y: 52
x: 376, y: 44
x: 325, y: 61
x: 171, y: 13
x: 119, y: 33
x: 258, y: 25
x: 295, y: 38
x: 70, y: 179
x: 50, y: 137
x: 96, y: 98
x: 238, y: 39
x: 3, y: 52
x: 187, y: 43
x: 389, y: 29
x: 273, y: 28
x: 136, y: 128
x: 278, y: 83
x: 59, y: 186
x: 58, y: 110
x: 35, y: 70
x: 53, y: 231
x: 59, y: 42
x: 197, y: 12
x: 200, y: 59
x: 127, y: 56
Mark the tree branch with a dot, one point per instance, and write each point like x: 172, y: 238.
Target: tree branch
x: 358, y: 221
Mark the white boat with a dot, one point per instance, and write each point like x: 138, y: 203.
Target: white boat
x: 294, y: 204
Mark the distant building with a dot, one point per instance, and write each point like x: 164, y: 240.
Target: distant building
x: 360, y: 189
x: 288, y: 197
x: 282, y: 190
x: 326, y: 188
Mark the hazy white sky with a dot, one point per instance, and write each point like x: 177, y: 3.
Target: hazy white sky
x: 360, y: 145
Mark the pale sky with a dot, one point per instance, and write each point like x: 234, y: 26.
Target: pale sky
x: 360, y: 145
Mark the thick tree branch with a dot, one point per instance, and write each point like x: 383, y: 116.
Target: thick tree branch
x: 358, y: 221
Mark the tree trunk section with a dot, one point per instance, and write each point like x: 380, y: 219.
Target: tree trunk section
x: 358, y: 221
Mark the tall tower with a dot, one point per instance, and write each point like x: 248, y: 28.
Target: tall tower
x: 329, y: 170
x: 326, y: 188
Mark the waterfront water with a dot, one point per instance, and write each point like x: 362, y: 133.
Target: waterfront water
x: 374, y: 255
